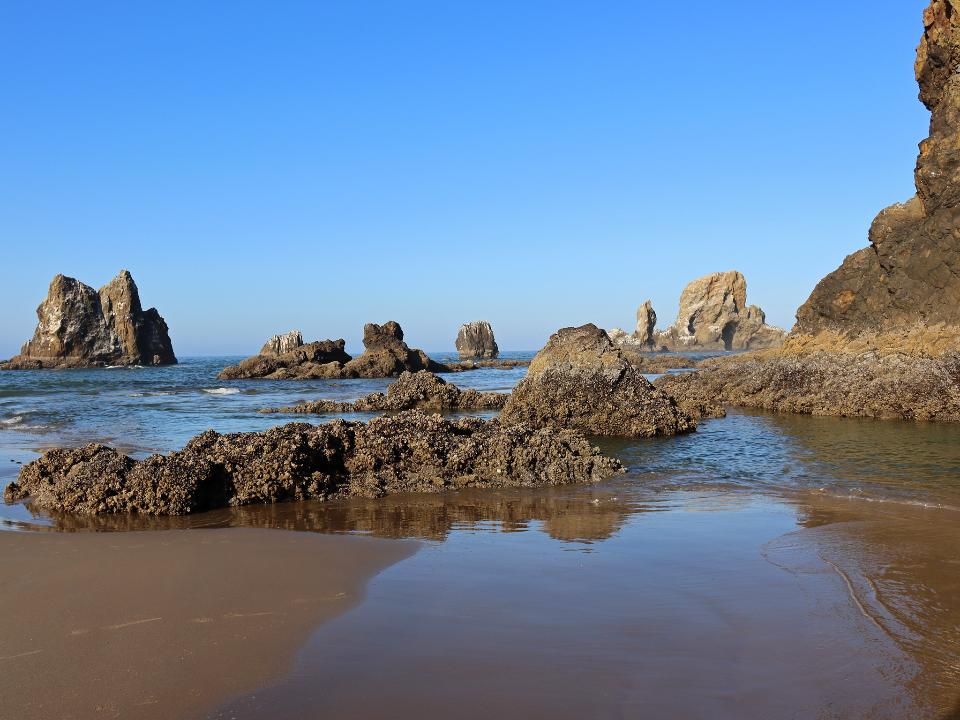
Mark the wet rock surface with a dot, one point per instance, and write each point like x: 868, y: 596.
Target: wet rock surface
x: 872, y: 384
x: 580, y: 380
x: 82, y: 327
x: 903, y: 290
x: 420, y: 390
x: 476, y: 341
x: 407, y: 452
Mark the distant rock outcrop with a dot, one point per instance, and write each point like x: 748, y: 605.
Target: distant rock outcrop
x: 475, y: 341
x: 81, y: 327
x: 412, y: 391
x: 903, y: 290
x: 580, y: 380
x: 714, y: 316
x: 407, y: 452
x: 385, y: 355
x: 282, y: 344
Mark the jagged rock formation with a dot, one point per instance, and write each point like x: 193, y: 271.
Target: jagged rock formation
x: 581, y: 380
x: 81, y: 327
x: 385, y: 355
x: 475, y: 341
x: 282, y: 344
x: 891, y: 385
x: 903, y: 291
x: 420, y: 390
x: 714, y: 315
x: 408, y: 452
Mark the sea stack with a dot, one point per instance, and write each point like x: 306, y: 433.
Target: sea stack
x: 475, y: 341
x: 81, y: 327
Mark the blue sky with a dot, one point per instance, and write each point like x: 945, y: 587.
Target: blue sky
x: 265, y: 166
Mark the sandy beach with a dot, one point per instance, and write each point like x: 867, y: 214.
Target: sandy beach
x: 164, y: 624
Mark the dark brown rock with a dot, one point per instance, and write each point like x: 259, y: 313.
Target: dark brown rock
x: 475, y: 341
x: 580, y: 380
x: 407, y: 452
x: 903, y: 291
x: 80, y: 327
x: 872, y: 384
x: 320, y: 359
x: 420, y: 390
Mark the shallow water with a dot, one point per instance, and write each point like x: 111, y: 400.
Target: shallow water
x: 766, y: 566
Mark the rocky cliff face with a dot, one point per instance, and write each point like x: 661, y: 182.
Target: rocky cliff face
x: 80, y: 327
x: 475, y: 340
x: 903, y: 290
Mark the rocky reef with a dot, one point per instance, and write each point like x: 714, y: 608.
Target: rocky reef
x: 475, y: 341
x: 880, y: 385
x: 285, y: 357
x: 879, y: 336
x: 902, y: 292
x: 420, y: 390
x: 82, y: 327
x: 713, y: 315
x: 581, y: 380
x: 407, y: 452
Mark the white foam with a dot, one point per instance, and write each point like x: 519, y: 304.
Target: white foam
x: 15, y: 420
x: 158, y: 393
x: 221, y: 391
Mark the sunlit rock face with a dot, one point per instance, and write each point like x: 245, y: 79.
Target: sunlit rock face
x: 81, y: 327
x: 903, y: 290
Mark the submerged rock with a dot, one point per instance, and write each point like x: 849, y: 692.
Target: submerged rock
x: 407, y: 452
x: 81, y: 327
x: 902, y: 292
x: 420, y: 390
x: 475, y: 341
x: 580, y: 380
x: 385, y: 355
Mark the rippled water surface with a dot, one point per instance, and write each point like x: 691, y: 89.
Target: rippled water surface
x: 782, y: 566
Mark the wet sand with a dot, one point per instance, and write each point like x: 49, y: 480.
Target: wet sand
x: 713, y: 605
x: 163, y: 624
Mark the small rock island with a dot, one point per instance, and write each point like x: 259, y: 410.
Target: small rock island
x: 80, y: 327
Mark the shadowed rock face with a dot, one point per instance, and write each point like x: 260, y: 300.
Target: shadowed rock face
x: 475, y: 341
x: 903, y: 291
x: 407, y: 452
x: 420, y: 390
x: 80, y: 327
x: 580, y: 380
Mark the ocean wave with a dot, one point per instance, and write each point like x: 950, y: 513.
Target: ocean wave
x: 15, y: 420
x: 156, y: 393
x: 221, y: 391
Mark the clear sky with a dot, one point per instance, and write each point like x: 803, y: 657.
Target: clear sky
x: 317, y: 165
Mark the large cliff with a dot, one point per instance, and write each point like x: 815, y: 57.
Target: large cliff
x: 81, y: 327
x: 903, y: 290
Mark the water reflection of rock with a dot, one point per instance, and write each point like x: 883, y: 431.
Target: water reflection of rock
x: 567, y: 514
x: 901, y: 566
